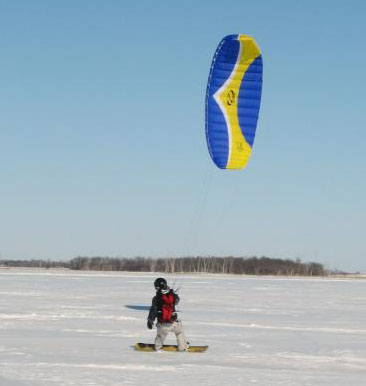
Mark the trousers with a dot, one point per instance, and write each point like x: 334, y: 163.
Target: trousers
x: 163, y: 331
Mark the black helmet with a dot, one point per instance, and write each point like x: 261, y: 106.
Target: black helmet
x: 160, y: 283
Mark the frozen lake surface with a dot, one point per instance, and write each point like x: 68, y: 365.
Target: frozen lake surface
x: 76, y: 329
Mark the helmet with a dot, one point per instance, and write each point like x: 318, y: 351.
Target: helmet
x: 160, y: 283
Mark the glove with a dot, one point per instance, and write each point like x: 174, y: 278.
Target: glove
x: 150, y: 324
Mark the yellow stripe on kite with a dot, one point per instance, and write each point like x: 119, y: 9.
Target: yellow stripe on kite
x: 227, y: 96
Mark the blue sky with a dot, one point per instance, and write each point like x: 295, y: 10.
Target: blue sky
x: 103, y: 149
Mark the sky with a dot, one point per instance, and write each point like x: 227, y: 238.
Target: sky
x: 103, y: 149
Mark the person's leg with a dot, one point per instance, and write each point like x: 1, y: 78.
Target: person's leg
x: 181, y: 338
x: 162, y: 332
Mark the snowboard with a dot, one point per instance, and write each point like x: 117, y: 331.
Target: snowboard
x: 168, y: 347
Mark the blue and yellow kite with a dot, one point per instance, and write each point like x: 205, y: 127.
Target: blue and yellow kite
x: 232, y: 101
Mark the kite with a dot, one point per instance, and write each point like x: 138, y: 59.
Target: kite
x: 233, y: 100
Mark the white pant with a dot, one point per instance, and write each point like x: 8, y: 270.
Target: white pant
x: 163, y: 331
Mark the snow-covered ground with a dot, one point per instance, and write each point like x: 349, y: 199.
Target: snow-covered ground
x: 73, y: 328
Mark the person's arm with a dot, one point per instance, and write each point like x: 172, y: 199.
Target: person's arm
x: 152, y: 313
x: 176, y: 299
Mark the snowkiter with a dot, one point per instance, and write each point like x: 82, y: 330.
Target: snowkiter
x: 163, y: 309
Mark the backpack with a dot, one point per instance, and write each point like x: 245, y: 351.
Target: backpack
x: 166, y: 306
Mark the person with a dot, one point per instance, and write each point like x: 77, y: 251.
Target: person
x: 163, y: 309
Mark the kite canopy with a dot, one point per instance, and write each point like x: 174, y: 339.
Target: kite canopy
x: 232, y: 101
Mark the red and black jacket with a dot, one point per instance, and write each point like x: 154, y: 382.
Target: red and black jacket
x: 163, y: 306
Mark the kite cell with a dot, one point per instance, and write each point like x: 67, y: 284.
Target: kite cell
x: 232, y: 101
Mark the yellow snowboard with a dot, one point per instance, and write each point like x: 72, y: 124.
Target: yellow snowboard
x: 168, y: 347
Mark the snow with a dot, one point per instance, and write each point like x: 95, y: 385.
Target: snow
x: 69, y: 328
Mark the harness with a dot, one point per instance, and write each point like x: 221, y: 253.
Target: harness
x: 165, y: 307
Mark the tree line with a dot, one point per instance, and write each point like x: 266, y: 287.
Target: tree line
x: 198, y: 264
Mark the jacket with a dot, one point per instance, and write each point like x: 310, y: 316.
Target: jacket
x: 163, y: 306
